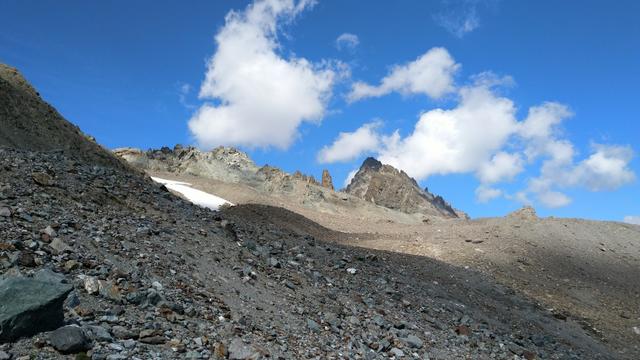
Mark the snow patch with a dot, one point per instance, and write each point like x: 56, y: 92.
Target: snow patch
x: 196, y: 196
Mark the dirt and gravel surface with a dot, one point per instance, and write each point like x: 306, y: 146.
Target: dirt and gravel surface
x: 586, y: 271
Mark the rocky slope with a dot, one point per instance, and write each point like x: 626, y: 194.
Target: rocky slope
x: 155, y: 277
x: 392, y: 188
x: 29, y: 123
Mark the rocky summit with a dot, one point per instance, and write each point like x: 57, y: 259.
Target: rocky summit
x: 99, y: 261
x: 387, y: 186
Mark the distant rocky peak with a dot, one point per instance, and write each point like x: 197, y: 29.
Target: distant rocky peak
x: 387, y: 186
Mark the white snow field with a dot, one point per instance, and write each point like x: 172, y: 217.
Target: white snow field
x: 196, y: 196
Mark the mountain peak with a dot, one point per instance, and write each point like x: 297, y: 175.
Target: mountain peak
x: 387, y: 186
x: 371, y: 163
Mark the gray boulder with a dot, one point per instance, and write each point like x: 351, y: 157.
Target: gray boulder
x: 31, y: 305
x: 69, y: 339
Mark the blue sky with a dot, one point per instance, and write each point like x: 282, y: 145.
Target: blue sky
x: 121, y: 71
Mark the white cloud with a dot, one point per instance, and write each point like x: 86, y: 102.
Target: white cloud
x: 261, y: 98
x: 554, y: 199
x: 606, y: 169
x: 485, y: 194
x: 431, y: 74
x: 541, y: 120
x: 458, y: 140
x: 350, y: 145
x: 502, y: 166
x: 459, y: 17
x: 632, y: 220
x: 347, y: 41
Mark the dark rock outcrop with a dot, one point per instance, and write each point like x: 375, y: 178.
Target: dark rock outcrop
x: 31, y: 305
x: 387, y: 186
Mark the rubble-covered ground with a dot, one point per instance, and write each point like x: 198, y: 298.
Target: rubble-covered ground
x: 156, y: 277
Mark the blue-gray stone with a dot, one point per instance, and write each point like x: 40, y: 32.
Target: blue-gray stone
x: 31, y: 305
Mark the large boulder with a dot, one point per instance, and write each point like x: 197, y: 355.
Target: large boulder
x: 31, y: 305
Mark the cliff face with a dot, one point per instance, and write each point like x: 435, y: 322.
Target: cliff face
x: 387, y: 186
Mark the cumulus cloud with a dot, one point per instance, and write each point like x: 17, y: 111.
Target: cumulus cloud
x: 431, y: 74
x: 347, y: 41
x: 502, y: 166
x: 607, y: 168
x: 350, y: 145
x: 259, y: 98
x: 485, y: 194
x: 632, y: 220
x: 458, y: 140
x: 553, y: 199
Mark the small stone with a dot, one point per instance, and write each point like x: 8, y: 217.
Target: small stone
x: 312, y: 325
x: 220, y: 351
x: 59, y: 246
x: 414, y: 341
x: 156, y: 285
x: 49, y: 232
x: 109, y: 290
x: 5, y: 212
x: 463, y: 330
x: 98, y: 333
x: 116, y: 347
x: 153, y: 340
x: 91, y: 285
x: 69, y: 339
x: 636, y: 330
x: 273, y: 262
x: 121, y: 332
x: 129, y: 343
x: 71, y: 265
x: 41, y: 178
x: 396, y: 352
x: 26, y: 259
x: 352, y: 271
x: 240, y: 351
x: 148, y: 333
